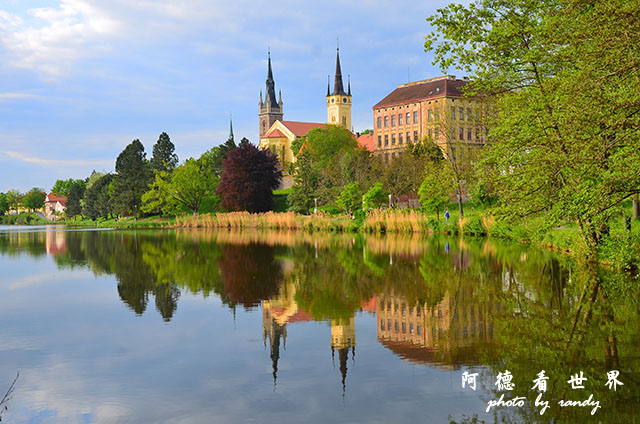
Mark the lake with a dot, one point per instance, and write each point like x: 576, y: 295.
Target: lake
x: 185, y: 326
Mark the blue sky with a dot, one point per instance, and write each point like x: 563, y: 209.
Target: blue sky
x: 80, y: 79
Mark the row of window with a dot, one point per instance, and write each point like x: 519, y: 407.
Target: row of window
x: 400, y: 117
x: 460, y: 114
x: 400, y: 138
x: 397, y: 327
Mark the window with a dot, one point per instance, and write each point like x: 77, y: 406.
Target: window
x: 386, y: 140
x: 386, y: 122
x: 461, y: 113
x: 393, y: 120
x: 382, y: 324
x: 408, y: 118
x: 461, y: 133
x: 436, y: 113
x: 436, y: 135
x: 408, y: 137
x: 411, y: 328
x: 477, y: 114
x: 429, y: 115
x: 399, y: 119
x: 430, y: 134
x: 469, y: 134
x: 379, y: 122
x: 415, y: 117
x: 419, y: 329
x: 453, y: 112
x: 379, y: 141
x: 344, y: 100
x: 415, y: 136
x: 396, y: 325
x: 477, y: 134
x: 469, y: 114
x: 404, y: 328
x: 393, y: 139
x: 388, y: 324
x: 400, y: 138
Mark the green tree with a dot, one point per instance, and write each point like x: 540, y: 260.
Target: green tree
x: 375, y: 197
x: 97, y: 199
x: 132, y: 178
x: 564, y: 138
x: 435, y: 188
x: 14, y: 197
x: 185, y: 188
x: 63, y: 187
x: 350, y: 198
x: 305, y: 185
x: 34, y: 199
x: 74, y: 205
x: 164, y: 157
x: 4, y: 203
x: 216, y: 156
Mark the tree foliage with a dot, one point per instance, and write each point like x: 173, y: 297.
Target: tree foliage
x: 132, y: 178
x: 34, y: 199
x: 63, y: 187
x: 375, y: 197
x: 435, y: 188
x: 4, y: 203
x: 563, y: 76
x: 74, y: 205
x: 164, y: 157
x: 216, y: 156
x: 250, y: 175
x: 350, y: 198
x: 97, y: 197
x: 305, y: 184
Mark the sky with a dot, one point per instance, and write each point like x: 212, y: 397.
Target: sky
x: 81, y: 79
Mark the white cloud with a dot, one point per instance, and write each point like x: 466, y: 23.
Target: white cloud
x: 12, y: 96
x: 55, y: 162
x: 61, y: 39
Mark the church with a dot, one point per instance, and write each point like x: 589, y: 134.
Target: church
x: 277, y: 134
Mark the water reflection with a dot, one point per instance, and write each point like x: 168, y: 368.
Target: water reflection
x: 448, y: 304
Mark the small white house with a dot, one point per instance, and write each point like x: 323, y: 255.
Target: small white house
x: 52, y: 204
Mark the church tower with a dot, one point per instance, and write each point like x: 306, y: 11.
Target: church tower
x: 270, y: 109
x: 339, y: 102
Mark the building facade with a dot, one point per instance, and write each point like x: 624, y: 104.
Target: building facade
x: 432, y: 109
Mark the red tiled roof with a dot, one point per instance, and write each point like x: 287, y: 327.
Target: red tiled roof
x: 366, y: 141
x: 423, y: 90
x: 52, y: 198
x: 275, y: 133
x: 300, y: 129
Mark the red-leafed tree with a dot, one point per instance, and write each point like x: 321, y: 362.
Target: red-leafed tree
x: 249, y: 177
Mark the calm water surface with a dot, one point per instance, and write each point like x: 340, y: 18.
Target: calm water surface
x: 224, y: 327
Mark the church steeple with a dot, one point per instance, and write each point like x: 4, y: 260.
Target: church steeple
x: 338, y: 101
x: 231, y: 125
x: 271, y: 108
x: 338, y: 87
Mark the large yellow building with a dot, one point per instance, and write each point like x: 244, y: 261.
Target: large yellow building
x: 433, y: 108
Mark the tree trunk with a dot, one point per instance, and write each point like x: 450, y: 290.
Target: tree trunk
x: 635, y: 208
x: 460, y: 205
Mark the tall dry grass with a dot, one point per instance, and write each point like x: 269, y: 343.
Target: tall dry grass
x: 396, y: 221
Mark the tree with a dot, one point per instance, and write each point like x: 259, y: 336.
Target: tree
x: 74, y: 206
x: 350, y: 198
x: 164, y: 157
x: 216, y: 155
x: 14, y: 197
x: 305, y: 185
x: 375, y: 197
x: 250, y: 175
x: 435, y: 188
x: 564, y: 140
x: 132, y: 178
x: 97, y: 199
x: 34, y: 199
x: 63, y: 187
x: 4, y: 203
x: 186, y: 188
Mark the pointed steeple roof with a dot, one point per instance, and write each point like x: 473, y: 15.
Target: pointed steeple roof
x: 231, y: 125
x: 338, y: 86
x: 270, y: 92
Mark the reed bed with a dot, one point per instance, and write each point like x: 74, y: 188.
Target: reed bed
x: 267, y: 220
x: 396, y: 221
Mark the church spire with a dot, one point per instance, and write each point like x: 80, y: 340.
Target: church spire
x: 270, y: 91
x: 349, y: 85
x: 231, y: 127
x: 338, y: 86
